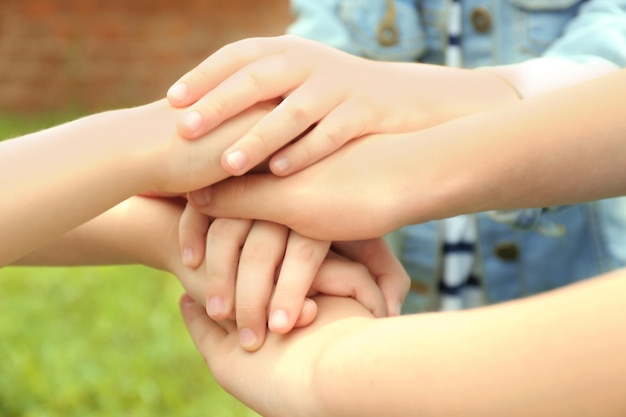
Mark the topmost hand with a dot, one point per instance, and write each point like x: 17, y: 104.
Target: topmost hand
x: 328, y: 98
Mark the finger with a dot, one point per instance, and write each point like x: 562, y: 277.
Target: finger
x: 293, y: 116
x: 341, y: 277
x: 345, y: 122
x: 250, y: 196
x: 224, y: 241
x: 381, y: 262
x: 265, y: 79
x: 192, y: 230
x: 217, y: 67
x: 302, y: 260
x: 308, y: 313
x: 205, y: 333
x: 262, y: 252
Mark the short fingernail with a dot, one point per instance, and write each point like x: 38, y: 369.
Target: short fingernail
x: 201, y: 197
x: 281, y: 164
x: 215, y: 306
x: 398, y: 308
x: 188, y: 257
x: 247, y: 338
x: 187, y: 301
x: 192, y: 120
x: 178, y: 91
x: 278, y: 320
x: 237, y: 160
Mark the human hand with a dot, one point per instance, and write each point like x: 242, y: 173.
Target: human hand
x: 359, y: 192
x: 329, y: 97
x: 264, y: 271
x: 177, y: 165
x: 280, y: 378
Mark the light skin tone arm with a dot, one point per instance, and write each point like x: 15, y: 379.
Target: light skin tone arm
x: 462, y: 166
x: 360, y: 97
x: 145, y: 231
x: 48, y: 178
x: 556, y: 354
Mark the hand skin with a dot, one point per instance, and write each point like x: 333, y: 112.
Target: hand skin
x: 379, y: 183
x: 75, y: 171
x: 144, y: 231
x: 359, y: 97
x: 262, y: 272
x: 265, y: 277
x: 139, y: 230
x: 556, y: 354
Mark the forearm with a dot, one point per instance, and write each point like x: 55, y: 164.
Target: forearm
x: 560, y: 148
x: 46, y: 176
x: 558, y: 354
x: 137, y: 231
x: 542, y: 75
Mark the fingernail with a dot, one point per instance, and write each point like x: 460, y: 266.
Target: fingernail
x: 201, y: 197
x: 187, y: 301
x: 247, y: 338
x: 237, y: 160
x: 278, y: 320
x: 281, y: 164
x: 188, y: 257
x: 192, y: 120
x: 178, y: 91
x: 215, y: 306
x: 399, y: 308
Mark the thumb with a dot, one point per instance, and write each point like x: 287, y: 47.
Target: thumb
x: 252, y: 196
x: 204, y: 332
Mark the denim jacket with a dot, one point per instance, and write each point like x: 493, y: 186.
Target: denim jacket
x: 519, y: 252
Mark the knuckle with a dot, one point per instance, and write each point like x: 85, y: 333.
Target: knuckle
x: 259, y: 142
x: 214, y: 104
x: 222, y: 228
x: 338, y: 134
x: 256, y: 253
x: 249, y: 312
x: 305, y: 251
x: 298, y: 114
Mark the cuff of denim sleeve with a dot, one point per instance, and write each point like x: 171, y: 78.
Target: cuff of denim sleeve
x: 541, y: 75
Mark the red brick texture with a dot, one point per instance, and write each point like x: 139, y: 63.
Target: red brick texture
x: 98, y: 54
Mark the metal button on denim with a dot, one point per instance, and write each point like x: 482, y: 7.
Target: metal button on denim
x: 481, y: 19
x: 508, y: 251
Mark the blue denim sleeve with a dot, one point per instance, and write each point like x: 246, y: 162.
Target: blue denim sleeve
x: 318, y: 20
x: 598, y: 32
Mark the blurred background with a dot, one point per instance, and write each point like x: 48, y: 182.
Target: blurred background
x: 95, y: 54
x: 105, y: 341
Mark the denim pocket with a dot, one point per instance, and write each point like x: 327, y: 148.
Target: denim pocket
x: 363, y: 18
x: 540, y: 22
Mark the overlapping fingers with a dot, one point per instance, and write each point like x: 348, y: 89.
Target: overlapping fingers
x: 302, y: 260
x: 223, y: 246
x: 261, y: 255
x: 264, y: 79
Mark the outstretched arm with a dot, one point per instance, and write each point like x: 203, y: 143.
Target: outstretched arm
x: 53, y: 180
x: 379, y: 183
x: 556, y: 354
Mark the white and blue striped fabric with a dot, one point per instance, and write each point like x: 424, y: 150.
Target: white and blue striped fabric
x: 459, y: 287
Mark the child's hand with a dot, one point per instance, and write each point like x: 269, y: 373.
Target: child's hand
x: 281, y: 379
x: 329, y: 97
x: 265, y: 272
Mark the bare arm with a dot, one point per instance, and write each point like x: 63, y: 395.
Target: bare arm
x: 562, y: 147
x: 557, y: 354
x: 54, y: 180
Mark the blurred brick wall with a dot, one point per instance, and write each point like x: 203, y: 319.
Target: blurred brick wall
x: 98, y: 54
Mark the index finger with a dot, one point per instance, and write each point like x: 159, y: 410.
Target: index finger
x: 217, y: 67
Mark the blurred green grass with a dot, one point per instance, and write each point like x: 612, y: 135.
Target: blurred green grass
x: 98, y: 341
